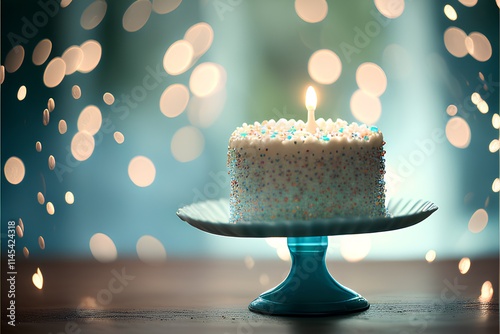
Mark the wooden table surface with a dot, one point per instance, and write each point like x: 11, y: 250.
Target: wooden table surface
x: 211, y: 296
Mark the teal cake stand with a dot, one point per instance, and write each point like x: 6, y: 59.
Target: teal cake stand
x: 309, y: 289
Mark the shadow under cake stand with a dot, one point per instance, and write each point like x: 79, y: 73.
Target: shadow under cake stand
x: 309, y: 289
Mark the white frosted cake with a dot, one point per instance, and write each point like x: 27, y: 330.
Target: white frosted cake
x: 279, y: 170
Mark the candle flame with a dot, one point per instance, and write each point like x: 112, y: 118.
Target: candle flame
x: 311, y: 99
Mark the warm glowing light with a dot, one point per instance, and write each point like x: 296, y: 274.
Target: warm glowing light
x: 450, y: 12
x: 40, y: 198
x: 82, y: 145
x: 452, y: 110
x: 65, y: 3
x: 93, y: 14
x: 119, y: 137
x: 90, y: 120
x: 41, y: 52
x: 187, y: 144
x: 311, y: 11
x: 464, y: 265
x: 283, y: 254
x: 354, y: 248
x: 207, y: 79
x: 475, y: 98
x: 468, y: 3
x: 494, y: 145
x: 178, y: 57
x: 495, y: 186
x: 311, y: 101
x: 486, y: 292
x: 264, y: 279
x: 14, y: 170
x: 50, y: 208
x: 150, y: 250
x: 478, y: 221
x: 478, y: 46
x: 201, y: 36
x: 21, y: 92
x: 174, y: 100
x: 2, y: 74
x: 38, y: 146
x: 69, y: 197
x: 52, y: 162
x: 103, y: 248
x: 371, y: 79
x: 324, y: 67
x: 14, y: 59
x: 26, y: 252
x: 76, y: 92
x: 454, y: 41
x: 19, y: 231
x: 483, y: 107
x: 495, y: 121
x: 41, y: 242
x: 54, y: 72
x: 204, y: 111
x: 458, y: 132
x: 46, y: 117
x: 165, y: 6
x: 137, y: 15
x: 365, y: 108
x: 62, y: 126
x: 249, y: 262
x: 21, y: 224
x: 390, y: 8
x: 37, y: 279
x: 430, y: 256
x: 92, y: 52
x: 73, y: 57
x: 108, y: 98
x: 51, y: 105
x: 141, y: 171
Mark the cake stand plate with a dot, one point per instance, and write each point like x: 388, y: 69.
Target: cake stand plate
x: 309, y: 289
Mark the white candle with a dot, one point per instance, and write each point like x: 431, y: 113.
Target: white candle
x: 311, y: 101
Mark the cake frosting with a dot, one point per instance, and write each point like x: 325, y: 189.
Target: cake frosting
x: 281, y: 171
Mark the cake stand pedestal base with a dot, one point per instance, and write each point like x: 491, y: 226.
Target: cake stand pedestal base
x: 309, y: 289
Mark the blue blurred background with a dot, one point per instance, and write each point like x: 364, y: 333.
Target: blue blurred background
x: 263, y: 47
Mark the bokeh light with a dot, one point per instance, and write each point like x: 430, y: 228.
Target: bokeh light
x: 174, y: 100
x: 40, y: 198
x: 264, y: 279
x: 90, y: 120
x: 14, y: 170
x: 311, y: 11
x: 365, y: 108
x: 478, y: 46
x: 69, y: 197
x: 475, y: 98
x: 468, y: 3
x: 452, y: 110
x: 486, y: 292
x: 204, y: 111
x: 52, y: 162
x: 119, y: 137
x: 54, y: 72
x: 201, y: 36
x: 371, y: 79
x: 483, y: 107
x: 65, y: 3
x: 38, y: 146
x: 454, y: 41
x: 92, y: 52
x: 495, y: 186
x: 207, y: 79
x: 249, y: 262
x: 137, y: 15
x: 108, y: 98
x: 495, y: 121
x: 458, y: 132
x: 450, y: 12
x: 51, y: 104
x: 478, y: 221
x: 93, y: 14
x: 165, y: 6
x: 26, y: 252
x: 45, y: 117
x: 103, y: 248
x: 21, y: 93
x: 494, y: 145
x: 41, y: 242
x: 150, y: 250
x: 430, y: 256
x: 19, y: 231
x: 464, y: 265
x: 37, y: 279
x: 2, y: 74
x: 14, y: 59
x: 141, y: 171
x: 50, y: 208
x: 178, y: 57
x: 324, y: 67
x: 187, y: 144
x: 354, y: 248
x: 41, y: 52
x: 76, y: 92
x: 390, y: 8
x: 62, y: 126
x: 82, y: 145
x: 73, y: 57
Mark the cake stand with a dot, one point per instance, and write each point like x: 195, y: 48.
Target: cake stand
x: 309, y: 289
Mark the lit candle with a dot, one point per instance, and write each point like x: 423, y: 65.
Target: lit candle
x: 311, y: 101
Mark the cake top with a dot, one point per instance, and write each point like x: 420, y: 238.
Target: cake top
x: 295, y: 131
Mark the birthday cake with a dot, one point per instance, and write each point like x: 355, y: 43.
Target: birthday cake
x: 281, y: 171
